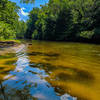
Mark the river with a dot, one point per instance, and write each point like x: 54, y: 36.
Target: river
x: 40, y: 70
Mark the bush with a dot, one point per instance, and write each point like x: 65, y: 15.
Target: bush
x: 87, y: 34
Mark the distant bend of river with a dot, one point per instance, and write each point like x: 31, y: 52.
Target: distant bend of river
x: 40, y: 70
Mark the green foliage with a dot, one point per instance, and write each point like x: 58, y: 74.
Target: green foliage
x: 31, y: 23
x: 87, y: 34
x: 61, y: 20
x: 96, y: 36
x: 10, y: 26
x: 65, y: 20
x: 21, y: 28
x: 35, y: 34
x: 8, y: 19
x: 6, y: 31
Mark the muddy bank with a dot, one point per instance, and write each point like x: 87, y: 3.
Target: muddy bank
x: 9, y: 47
x: 5, y: 44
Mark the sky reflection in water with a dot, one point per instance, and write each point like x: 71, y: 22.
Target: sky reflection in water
x: 51, y: 71
x: 28, y: 83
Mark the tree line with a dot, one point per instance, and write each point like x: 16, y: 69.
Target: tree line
x: 65, y: 20
x: 58, y: 20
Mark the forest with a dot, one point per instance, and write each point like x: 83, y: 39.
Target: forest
x: 58, y: 20
x: 10, y: 26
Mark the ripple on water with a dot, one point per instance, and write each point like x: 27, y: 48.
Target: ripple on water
x: 45, y: 80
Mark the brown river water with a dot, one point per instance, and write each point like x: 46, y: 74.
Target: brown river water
x: 40, y: 70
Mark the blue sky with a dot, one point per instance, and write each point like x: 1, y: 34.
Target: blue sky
x: 26, y: 8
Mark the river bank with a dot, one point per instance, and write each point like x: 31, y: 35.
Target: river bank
x: 8, y: 43
x: 7, y: 46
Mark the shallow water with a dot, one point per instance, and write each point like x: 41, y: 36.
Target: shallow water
x: 51, y: 71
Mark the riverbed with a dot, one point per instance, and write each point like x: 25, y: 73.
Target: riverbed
x: 39, y: 70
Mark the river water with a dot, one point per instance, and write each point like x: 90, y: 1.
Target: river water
x: 41, y: 70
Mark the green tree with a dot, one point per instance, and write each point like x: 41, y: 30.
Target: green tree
x: 74, y: 20
x: 8, y: 19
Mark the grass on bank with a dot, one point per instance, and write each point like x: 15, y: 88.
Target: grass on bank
x: 10, y: 40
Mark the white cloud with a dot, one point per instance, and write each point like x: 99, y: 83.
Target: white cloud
x: 23, y: 12
x: 23, y: 15
x: 22, y: 19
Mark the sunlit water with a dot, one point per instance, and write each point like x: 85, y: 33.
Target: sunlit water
x: 51, y: 71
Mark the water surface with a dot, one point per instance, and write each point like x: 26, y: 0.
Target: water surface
x: 51, y: 71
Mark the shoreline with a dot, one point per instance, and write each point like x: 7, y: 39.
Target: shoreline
x: 8, y: 43
x: 9, y: 46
